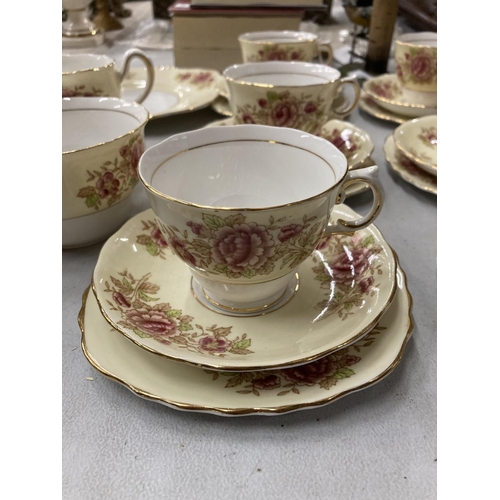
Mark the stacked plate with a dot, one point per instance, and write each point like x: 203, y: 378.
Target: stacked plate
x: 382, y: 97
x: 411, y: 150
x: 345, y: 328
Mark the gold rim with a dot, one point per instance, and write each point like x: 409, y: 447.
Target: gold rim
x: 264, y: 309
x: 383, y: 115
x: 238, y: 209
x: 212, y: 366
x: 390, y: 101
x: 97, y: 68
x: 255, y: 410
x: 136, y: 130
x: 403, y: 174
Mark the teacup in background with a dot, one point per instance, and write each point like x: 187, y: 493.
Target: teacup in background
x: 261, y: 204
x: 287, y: 94
x: 416, y: 67
x: 102, y: 141
x: 94, y: 75
x: 259, y: 46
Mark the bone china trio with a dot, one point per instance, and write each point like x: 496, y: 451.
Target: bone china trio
x: 248, y: 287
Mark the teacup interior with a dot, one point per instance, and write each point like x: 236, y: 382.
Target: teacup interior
x: 243, y: 174
x: 83, y: 128
x: 281, y: 79
x: 83, y: 62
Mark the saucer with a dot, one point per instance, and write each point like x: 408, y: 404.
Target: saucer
x: 369, y: 105
x: 417, y: 140
x: 407, y: 169
x: 355, y: 143
x: 387, y: 93
x: 184, y: 387
x: 174, y: 90
x: 144, y: 291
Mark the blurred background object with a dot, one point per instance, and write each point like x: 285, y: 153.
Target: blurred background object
x: 421, y: 15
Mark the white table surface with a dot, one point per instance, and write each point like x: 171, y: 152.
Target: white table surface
x: 379, y: 443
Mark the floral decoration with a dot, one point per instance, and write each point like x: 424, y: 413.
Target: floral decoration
x: 153, y: 240
x: 428, y: 136
x: 238, y: 248
x: 415, y: 171
x: 114, y: 178
x: 418, y: 66
x: 344, y: 140
x: 385, y: 89
x: 200, y: 79
x: 275, y: 52
x: 140, y: 312
x: 324, y: 373
x: 347, y: 270
x: 80, y: 91
x: 282, y: 109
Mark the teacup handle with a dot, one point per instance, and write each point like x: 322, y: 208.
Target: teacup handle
x: 369, y: 176
x: 129, y: 55
x: 349, y: 80
x: 326, y: 49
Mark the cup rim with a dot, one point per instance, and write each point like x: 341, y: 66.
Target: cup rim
x: 287, y: 67
x: 109, y: 62
x: 420, y: 39
x: 105, y: 103
x: 295, y: 37
x: 241, y: 133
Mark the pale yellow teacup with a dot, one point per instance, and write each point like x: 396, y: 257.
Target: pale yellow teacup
x: 259, y: 46
x: 96, y: 75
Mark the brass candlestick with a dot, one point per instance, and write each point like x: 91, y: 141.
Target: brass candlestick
x: 103, y: 19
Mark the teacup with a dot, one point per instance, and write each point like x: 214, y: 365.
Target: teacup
x: 102, y: 141
x: 259, y: 46
x: 94, y: 75
x: 416, y: 67
x: 287, y: 94
x: 261, y: 202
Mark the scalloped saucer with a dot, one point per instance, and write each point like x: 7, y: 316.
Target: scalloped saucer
x: 410, y: 172
x: 352, y: 141
x: 417, y: 140
x: 369, y: 105
x: 144, y: 291
x: 386, y: 91
x: 183, y: 387
x: 175, y: 90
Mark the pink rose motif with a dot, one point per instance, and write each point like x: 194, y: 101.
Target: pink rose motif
x: 399, y: 71
x: 184, y: 76
x: 138, y: 148
x: 311, y: 373
x: 310, y: 107
x: 120, y: 299
x: 68, y: 93
x: 211, y: 344
x: 107, y: 185
x: 294, y: 56
x: 289, y: 231
x: 350, y: 359
x: 365, y: 284
x: 262, y: 103
x: 242, y: 246
x: 152, y: 322
x: 159, y: 238
x: 267, y: 383
x: 351, y: 265
x: 276, y: 55
x: 324, y: 242
x: 421, y: 67
x: 179, y: 248
x: 196, y: 228
x: 248, y: 119
x: 202, y: 77
x: 285, y: 113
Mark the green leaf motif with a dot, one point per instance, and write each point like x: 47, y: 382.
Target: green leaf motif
x: 174, y: 313
x: 249, y: 273
x: 220, y: 268
x: 272, y: 97
x: 145, y: 297
x: 213, y: 221
x: 368, y: 241
x: 343, y: 373
x: 126, y: 283
x: 92, y: 201
x: 141, y: 334
x: 242, y: 344
x: 184, y: 327
x: 152, y: 248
